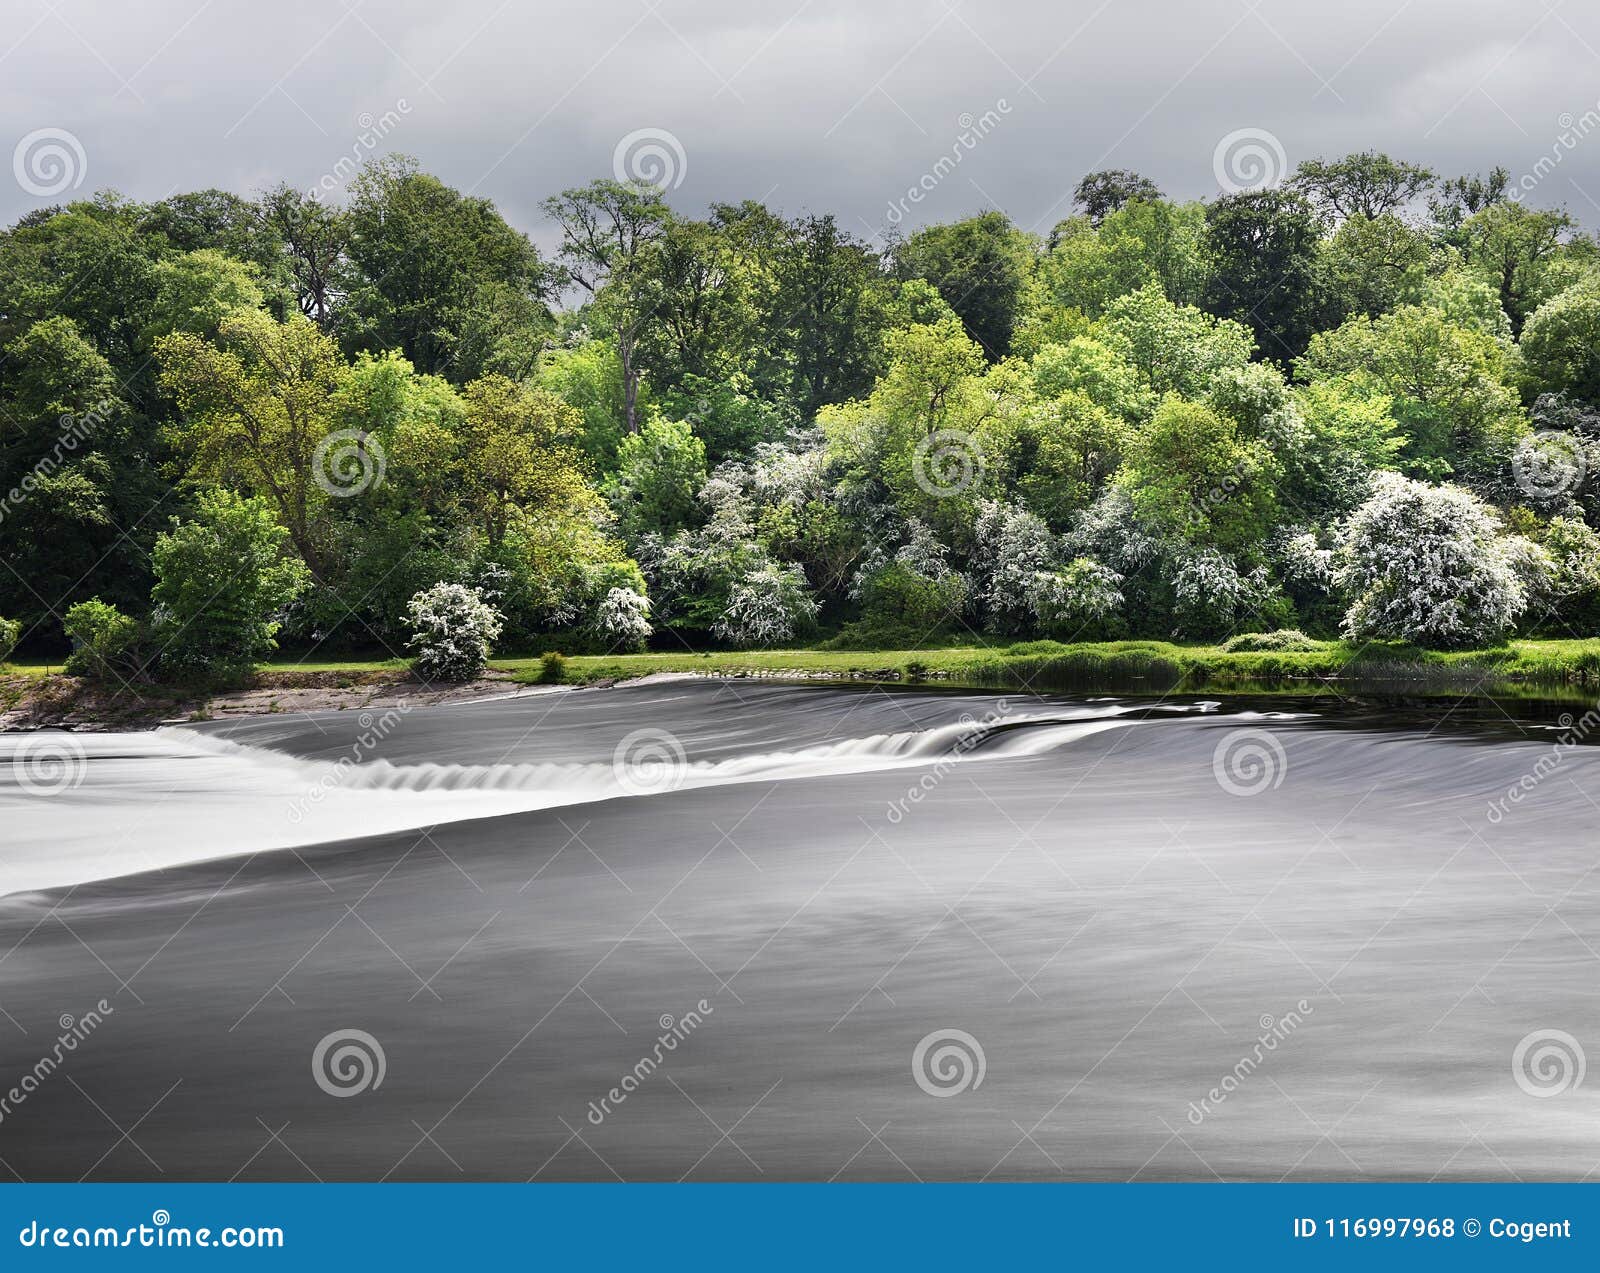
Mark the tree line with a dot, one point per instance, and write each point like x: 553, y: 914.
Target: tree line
x: 1361, y: 402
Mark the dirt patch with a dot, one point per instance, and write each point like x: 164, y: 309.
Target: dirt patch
x: 67, y: 702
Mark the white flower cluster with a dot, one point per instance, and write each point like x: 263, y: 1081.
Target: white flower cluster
x: 768, y: 606
x: 622, y: 619
x: 1430, y: 564
x: 452, y: 630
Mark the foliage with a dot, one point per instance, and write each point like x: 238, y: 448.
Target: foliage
x: 453, y: 628
x: 978, y: 266
x: 1430, y: 565
x: 741, y: 426
x: 660, y: 471
x: 222, y: 581
x: 106, y: 644
x: 1263, y: 642
x: 1079, y: 599
x: 10, y: 635
x: 622, y: 619
x: 767, y: 606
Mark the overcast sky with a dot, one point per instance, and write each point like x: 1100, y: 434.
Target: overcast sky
x: 821, y: 106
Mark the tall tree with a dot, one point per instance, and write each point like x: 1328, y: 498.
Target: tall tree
x: 1262, y: 246
x: 312, y: 235
x: 257, y: 405
x: 426, y: 258
x: 1511, y: 246
x: 823, y: 328
x: 1369, y: 184
x: 979, y: 265
x: 1101, y: 193
x: 606, y: 229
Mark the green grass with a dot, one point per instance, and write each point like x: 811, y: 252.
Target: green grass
x: 1553, y: 668
x: 1132, y: 665
x: 584, y: 668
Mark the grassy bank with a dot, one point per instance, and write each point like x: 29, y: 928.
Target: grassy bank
x: 1567, y: 670
x: 1569, y: 665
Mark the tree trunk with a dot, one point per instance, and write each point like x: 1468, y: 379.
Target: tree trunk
x: 630, y: 383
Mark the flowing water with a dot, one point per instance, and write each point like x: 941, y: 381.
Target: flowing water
x: 718, y: 930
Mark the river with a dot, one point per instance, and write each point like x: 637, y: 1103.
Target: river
x: 725, y: 930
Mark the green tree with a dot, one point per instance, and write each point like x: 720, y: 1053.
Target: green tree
x: 222, y: 580
x: 660, y: 471
x: 822, y: 327
x: 1369, y: 185
x: 607, y: 228
x: 1262, y: 247
x: 979, y: 266
x: 518, y: 459
x: 1110, y: 190
x: 1175, y: 348
x: 1192, y: 475
x: 257, y: 404
x: 312, y: 237
x: 196, y: 291
x: 1513, y: 247
x: 428, y: 264
x: 1449, y: 386
x: 1561, y: 344
x: 75, y: 478
x: 1373, y: 264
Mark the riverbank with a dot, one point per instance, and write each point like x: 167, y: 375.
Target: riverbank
x: 38, y: 696
x: 1557, y: 668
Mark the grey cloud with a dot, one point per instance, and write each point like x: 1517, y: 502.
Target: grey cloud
x: 824, y: 105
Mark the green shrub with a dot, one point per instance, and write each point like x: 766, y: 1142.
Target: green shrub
x: 106, y: 644
x: 553, y: 667
x: 10, y: 634
x: 1281, y: 640
x: 222, y: 580
x: 453, y: 628
x: 916, y: 670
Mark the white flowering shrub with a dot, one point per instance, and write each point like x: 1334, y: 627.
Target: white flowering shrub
x: 622, y: 619
x: 1210, y: 596
x: 453, y: 628
x: 1303, y: 562
x: 768, y: 606
x: 1430, y: 565
x: 1014, y: 547
x: 1076, y: 600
